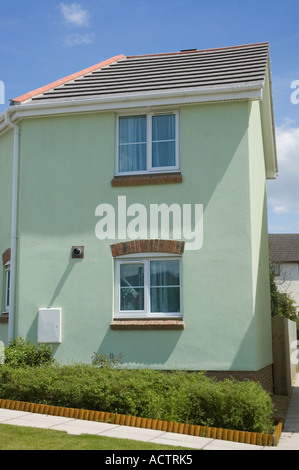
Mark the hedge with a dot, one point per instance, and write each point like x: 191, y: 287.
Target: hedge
x: 177, y: 396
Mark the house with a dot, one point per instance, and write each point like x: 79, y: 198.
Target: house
x: 284, y: 257
x: 134, y: 216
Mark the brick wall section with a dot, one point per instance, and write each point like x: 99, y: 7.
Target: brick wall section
x: 264, y: 376
x: 147, y: 325
x: 148, y: 246
x: 141, y: 180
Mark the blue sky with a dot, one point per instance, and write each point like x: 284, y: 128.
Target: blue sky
x: 45, y: 41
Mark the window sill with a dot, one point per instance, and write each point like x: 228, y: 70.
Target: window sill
x: 142, y: 180
x: 147, y: 325
x: 4, y: 318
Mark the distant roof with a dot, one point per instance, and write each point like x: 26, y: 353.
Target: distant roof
x: 284, y: 247
x: 190, y: 69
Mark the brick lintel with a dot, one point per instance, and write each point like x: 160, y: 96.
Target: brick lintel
x: 175, y: 247
x: 6, y: 255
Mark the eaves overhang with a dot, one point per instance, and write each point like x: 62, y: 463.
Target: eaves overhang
x: 250, y: 91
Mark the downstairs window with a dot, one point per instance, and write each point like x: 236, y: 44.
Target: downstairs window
x: 148, y: 287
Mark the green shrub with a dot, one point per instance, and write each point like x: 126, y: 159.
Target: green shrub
x: 176, y: 396
x: 21, y: 353
x: 232, y: 404
x: 282, y: 304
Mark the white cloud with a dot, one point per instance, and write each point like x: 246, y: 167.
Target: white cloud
x: 281, y: 209
x: 74, y: 14
x: 283, y: 193
x: 78, y: 39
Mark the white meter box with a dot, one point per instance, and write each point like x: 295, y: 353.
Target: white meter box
x: 49, y: 325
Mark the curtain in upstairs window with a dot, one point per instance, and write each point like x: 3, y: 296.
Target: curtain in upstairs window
x: 132, y: 143
x: 163, y: 140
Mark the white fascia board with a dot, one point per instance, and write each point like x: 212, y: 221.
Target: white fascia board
x: 268, y: 127
x: 139, y: 100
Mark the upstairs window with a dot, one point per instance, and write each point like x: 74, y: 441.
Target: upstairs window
x: 147, y: 143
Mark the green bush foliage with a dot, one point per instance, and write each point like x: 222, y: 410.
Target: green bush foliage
x: 282, y: 305
x: 22, y: 353
x: 172, y: 396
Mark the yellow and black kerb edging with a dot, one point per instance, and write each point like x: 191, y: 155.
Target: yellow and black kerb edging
x: 148, y: 423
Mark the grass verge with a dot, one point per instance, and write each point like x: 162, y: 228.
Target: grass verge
x: 27, y: 438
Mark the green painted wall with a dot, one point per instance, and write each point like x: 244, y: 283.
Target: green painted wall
x: 6, y: 161
x: 66, y: 167
x: 259, y: 241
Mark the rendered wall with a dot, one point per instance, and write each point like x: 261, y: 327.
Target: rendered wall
x: 259, y: 242
x: 66, y: 167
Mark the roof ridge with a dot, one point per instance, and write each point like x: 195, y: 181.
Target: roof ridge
x: 283, y: 234
x: 68, y: 78
x: 190, y: 51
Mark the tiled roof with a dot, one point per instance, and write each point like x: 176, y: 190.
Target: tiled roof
x: 193, y: 69
x: 284, y: 247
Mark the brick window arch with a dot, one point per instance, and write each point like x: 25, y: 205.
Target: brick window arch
x: 6, y: 255
x: 148, y: 246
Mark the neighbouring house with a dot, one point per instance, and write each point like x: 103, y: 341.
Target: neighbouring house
x: 284, y: 258
x: 134, y: 215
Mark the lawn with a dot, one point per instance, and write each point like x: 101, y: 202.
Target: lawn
x: 27, y: 438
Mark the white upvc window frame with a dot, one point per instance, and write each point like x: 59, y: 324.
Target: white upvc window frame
x: 146, y: 313
x: 7, y: 286
x: 149, y: 167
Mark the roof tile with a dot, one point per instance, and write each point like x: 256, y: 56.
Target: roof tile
x: 193, y: 69
x: 284, y: 247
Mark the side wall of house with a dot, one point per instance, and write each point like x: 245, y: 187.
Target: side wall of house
x: 259, y: 244
x: 6, y: 161
x: 66, y: 168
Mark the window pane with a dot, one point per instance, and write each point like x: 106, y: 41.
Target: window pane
x: 132, y: 274
x: 163, y: 140
x: 132, y: 157
x: 165, y: 286
x: 163, y: 127
x: 7, y: 287
x: 132, y: 143
x: 132, y: 129
x: 131, y: 287
x: 163, y: 154
x: 165, y: 273
x: 131, y: 299
x: 165, y: 299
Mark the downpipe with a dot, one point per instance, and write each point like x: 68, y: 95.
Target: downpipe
x: 15, y: 187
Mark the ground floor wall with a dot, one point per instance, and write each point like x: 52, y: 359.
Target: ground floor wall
x: 217, y: 331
